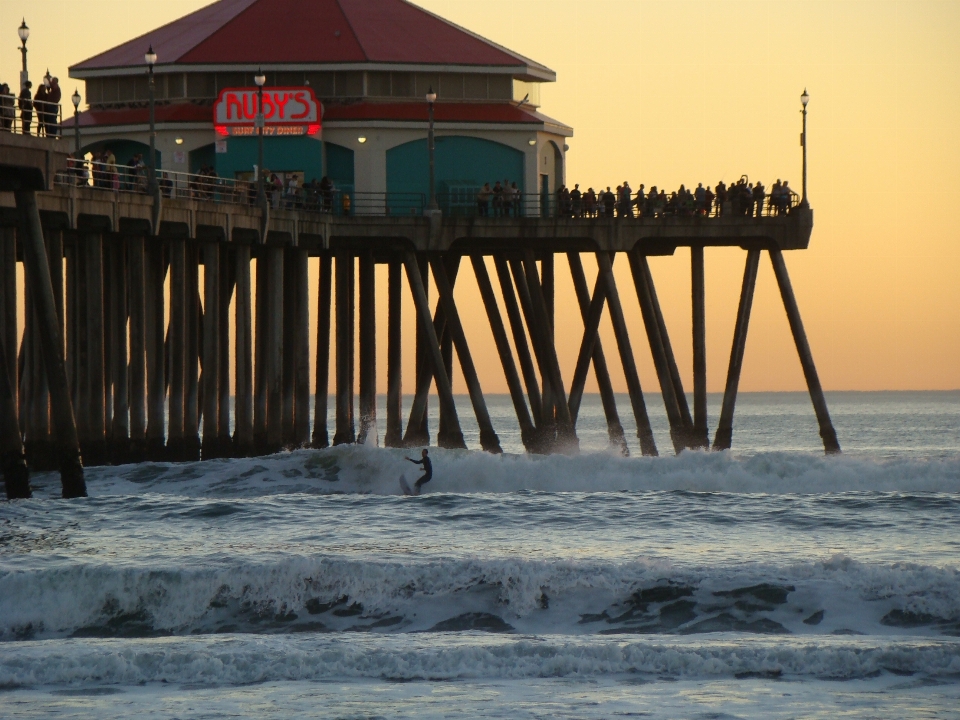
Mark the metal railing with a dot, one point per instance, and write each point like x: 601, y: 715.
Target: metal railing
x: 344, y: 202
x: 30, y: 117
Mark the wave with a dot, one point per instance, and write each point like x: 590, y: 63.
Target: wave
x: 243, y: 660
x: 292, y: 595
x: 359, y: 469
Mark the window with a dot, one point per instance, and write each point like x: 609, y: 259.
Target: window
x: 401, y: 84
x: 426, y: 81
x: 322, y: 84
x: 175, y: 86
x: 378, y: 84
x: 285, y: 79
x: 110, y: 90
x: 233, y: 80
x: 141, y: 87
x: 349, y: 84
x: 529, y: 90
x: 475, y: 87
x: 499, y: 87
x: 451, y: 86
x: 127, y: 88
x: 94, y: 91
x: 201, y: 85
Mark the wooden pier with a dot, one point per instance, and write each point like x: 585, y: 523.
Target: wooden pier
x: 125, y: 357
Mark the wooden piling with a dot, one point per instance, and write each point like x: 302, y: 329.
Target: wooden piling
x: 488, y: 437
x: 700, y: 433
x: 259, y: 358
x: 243, y: 439
x: 95, y: 449
x: 51, y: 341
x: 605, y: 386
x: 345, y: 432
x: 368, y: 351
x: 9, y: 334
x: 420, y: 434
x: 394, y: 436
x: 192, y: 310
x: 724, y: 436
x: 155, y: 264
x: 827, y: 433
x: 445, y: 431
x: 211, y: 351
x: 434, y: 356
x: 178, y: 348
x: 644, y: 432
x: 288, y: 344
x: 527, y: 429
x: 228, y: 280
x: 321, y: 437
x: 120, y: 435
x: 13, y: 464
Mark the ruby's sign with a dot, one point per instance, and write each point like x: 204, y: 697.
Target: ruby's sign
x: 286, y: 111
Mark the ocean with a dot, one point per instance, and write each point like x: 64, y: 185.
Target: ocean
x: 766, y: 582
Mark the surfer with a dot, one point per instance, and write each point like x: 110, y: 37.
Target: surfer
x: 427, y: 471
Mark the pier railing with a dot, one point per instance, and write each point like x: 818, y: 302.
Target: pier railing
x: 466, y: 202
x: 45, y: 117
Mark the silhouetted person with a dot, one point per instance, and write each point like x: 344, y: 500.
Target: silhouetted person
x: 25, y: 104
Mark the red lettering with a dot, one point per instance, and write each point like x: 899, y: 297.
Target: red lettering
x: 233, y: 104
x: 268, y: 106
x: 282, y: 104
x: 301, y: 97
x: 249, y: 106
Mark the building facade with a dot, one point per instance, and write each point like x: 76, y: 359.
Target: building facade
x: 370, y: 63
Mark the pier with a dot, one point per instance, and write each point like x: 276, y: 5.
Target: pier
x: 126, y: 357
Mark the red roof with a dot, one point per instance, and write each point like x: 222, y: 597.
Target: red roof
x: 357, y: 112
x: 276, y: 32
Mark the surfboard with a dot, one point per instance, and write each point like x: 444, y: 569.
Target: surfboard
x: 405, y: 486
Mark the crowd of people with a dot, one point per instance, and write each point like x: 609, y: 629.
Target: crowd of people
x: 45, y: 104
x: 505, y: 198
x: 742, y: 198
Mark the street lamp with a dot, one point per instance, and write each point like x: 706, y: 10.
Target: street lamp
x: 260, y: 79
x: 151, y: 58
x: 75, y: 98
x: 804, y: 99
x: 24, y: 32
x: 432, y: 207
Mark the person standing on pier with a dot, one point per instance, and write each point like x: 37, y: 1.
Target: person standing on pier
x: 25, y: 102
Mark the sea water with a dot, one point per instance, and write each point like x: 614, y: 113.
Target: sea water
x: 767, y: 582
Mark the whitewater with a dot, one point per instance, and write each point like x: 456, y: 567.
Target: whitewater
x: 767, y: 582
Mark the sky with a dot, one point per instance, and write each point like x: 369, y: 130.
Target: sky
x: 663, y: 93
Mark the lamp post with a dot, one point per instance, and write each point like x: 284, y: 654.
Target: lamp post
x: 75, y: 98
x: 152, y: 187
x: 432, y: 207
x: 804, y: 99
x: 260, y: 79
x: 24, y: 32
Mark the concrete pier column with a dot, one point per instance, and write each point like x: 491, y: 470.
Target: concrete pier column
x: 228, y: 279
x: 420, y: 435
x: 321, y: 438
x: 607, y: 397
x: 120, y: 426
x: 827, y: 433
x: 301, y: 348
x: 345, y: 432
x: 434, y: 355
x: 394, y: 435
x: 95, y: 449
x: 274, y: 348
x: 678, y: 429
x: 368, y: 351
x: 549, y: 423
x: 155, y: 264
x: 289, y: 344
x: 178, y: 348
x: 644, y: 432
x: 243, y: 368
x: 192, y: 310
x: 546, y: 425
x: 724, y: 436
x: 452, y: 269
x: 700, y: 433
x: 211, y: 351
x: 591, y: 324
x: 13, y: 464
x: 51, y: 341
x: 515, y: 319
x: 527, y: 429
x: 488, y: 437
x: 8, y: 304
x: 69, y: 316
x: 136, y: 299
x: 260, y: 362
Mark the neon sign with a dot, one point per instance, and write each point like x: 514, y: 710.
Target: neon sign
x: 286, y: 111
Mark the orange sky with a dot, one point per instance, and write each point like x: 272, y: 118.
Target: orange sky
x: 668, y: 92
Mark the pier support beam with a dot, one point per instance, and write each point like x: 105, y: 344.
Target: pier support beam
x: 51, y: 342
x: 191, y: 401
x: 394, y: 434
x: 346, y: 432
x: 259, y: 360
x: 434, y: 357
x: 274, y: 348
x: 368, y: 350
x: 724, y: 436
x: 289, y: 346
x: 607, y: 397
x: 178, y: 348
x: 301, y: 348
x: 211, y: 351
x: 644, y: 432
x: 488, y: 437
x: 700, y: 433
x: 420, y: 434
x: 321, y: 437
x: 519, y: 338
x: 243, y: 367
x: 95, y: 447
x: 136, y: 274
x: 228, y: 280
x: 527, y: 429
x: 13, y: 464
x: 120, y: 425
x: 155, y: 265
x: 830, y: 443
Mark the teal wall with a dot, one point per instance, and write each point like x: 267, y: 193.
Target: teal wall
x: 462, y: 163
x: 205, y: 155
x: 289, y: 154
